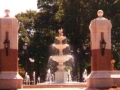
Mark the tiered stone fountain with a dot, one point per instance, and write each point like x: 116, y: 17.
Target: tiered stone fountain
x: 61, y: 75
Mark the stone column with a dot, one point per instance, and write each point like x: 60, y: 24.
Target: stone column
x: 100, y: 29
x: 9, y: 77
x: 101, y: 74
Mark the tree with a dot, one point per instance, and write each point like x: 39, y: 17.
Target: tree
x: 26, y: 21
x: 44, y: 27
x: 74, y: 17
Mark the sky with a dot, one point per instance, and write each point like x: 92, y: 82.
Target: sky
x: 17, y: 6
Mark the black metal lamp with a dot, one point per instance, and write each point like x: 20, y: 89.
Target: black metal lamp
x: 84, y: 46
x: 6, y: 45
x: 25, y: 54
x: 82, y: 56
x: 103, y: 45
x: 25, y: 46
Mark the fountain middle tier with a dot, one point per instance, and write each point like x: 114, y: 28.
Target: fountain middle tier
x: 61, y: 58
x: 60, y: 46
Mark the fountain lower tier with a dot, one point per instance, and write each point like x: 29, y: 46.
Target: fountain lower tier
x: 61, y: 59
x: 61, y: 75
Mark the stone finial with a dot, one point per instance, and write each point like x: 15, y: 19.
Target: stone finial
x: 60, y: 32
x: 100, y: 13
x: 7, y: 12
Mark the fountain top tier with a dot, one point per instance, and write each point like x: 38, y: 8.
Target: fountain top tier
x: 60, y: 42
x: 60, y: 38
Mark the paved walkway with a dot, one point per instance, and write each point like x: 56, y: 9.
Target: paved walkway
x: 82, y: 86
x: 56, y: 89
x: 66, y: 89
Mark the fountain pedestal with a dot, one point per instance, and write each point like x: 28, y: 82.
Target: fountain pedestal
x: 61, y: 76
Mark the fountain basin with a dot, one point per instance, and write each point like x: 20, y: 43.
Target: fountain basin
x: 61, y: 58
x: 60, y: 46
x: 60, y: 38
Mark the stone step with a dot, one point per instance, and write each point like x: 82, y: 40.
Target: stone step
x: 66, y: 85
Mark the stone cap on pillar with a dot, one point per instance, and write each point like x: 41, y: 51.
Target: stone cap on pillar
x: 7, y: 12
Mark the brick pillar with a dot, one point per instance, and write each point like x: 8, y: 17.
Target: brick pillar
x: 9, y: 77
x: 101, y: 62
x: 101, y: 74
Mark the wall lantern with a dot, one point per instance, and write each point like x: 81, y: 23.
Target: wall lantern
x: 103, y: 45
x: 6, y: 45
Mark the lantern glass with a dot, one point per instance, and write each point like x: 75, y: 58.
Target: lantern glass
x: 6, y: 43
x: 103, y: 43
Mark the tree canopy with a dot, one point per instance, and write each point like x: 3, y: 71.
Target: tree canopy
x: 74, y: 17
